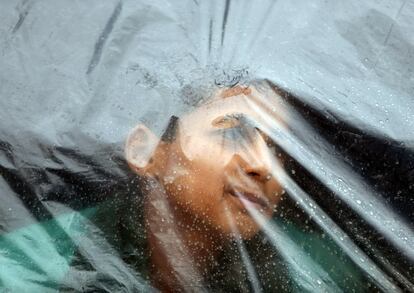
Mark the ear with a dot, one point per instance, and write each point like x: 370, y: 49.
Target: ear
x: 140, y: 146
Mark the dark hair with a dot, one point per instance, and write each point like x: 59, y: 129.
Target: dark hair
x: 170, y: 132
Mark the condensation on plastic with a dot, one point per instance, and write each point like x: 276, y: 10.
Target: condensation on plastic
x: 270, y: 146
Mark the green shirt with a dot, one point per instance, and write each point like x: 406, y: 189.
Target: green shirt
x: 105, y: 248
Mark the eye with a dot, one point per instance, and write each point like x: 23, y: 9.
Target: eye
x: 230, y: 135
x: 233, y: 128
x: 253, y: 174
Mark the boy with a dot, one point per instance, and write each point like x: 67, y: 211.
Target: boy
x: 202, y: 177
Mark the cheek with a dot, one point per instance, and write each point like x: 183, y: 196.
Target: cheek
x: 206, y: 152
x: 198, y: 192
x: 274, y: 191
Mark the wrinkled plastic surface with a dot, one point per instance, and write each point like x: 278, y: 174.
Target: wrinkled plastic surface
x: 326, y: 92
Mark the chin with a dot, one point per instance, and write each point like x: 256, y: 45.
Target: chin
x: 249, y: 229
x: 241, y: 226
x: 236, y: 222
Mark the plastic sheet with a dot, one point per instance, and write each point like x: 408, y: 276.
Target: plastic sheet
x: 223, y: 146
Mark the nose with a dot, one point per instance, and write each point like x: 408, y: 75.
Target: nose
x: 253, y: 158
x: 251, y: 166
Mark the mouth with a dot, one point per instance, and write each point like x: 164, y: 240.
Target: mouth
x: 250, y: 200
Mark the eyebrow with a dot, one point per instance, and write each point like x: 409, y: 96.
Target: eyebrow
x: 227, y: 121
x: 244, y: 124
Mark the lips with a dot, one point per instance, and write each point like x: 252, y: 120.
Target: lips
x: 250, y: 198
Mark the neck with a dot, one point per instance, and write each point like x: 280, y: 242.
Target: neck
x: 183, y: 248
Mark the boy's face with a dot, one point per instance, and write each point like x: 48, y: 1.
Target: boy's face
x: 218, y: 166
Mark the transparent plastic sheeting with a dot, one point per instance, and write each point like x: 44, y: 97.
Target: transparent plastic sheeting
x: 206, y: 146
